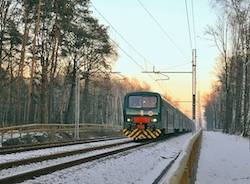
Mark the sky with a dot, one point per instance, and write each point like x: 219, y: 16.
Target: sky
x: 155, y: 48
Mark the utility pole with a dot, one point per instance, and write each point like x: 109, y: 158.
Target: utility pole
x: 194, y: 85
x: 193, y: 72
x: 77, y: 102
x: 199, y: 111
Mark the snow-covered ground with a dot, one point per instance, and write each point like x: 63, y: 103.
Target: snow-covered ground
x: 135, y: 166
x: 6, y: 136
x: 49, y: 151
x: 24, y: 168
x: 224, y: 159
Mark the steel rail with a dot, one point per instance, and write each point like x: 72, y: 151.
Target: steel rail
x: 164, y: 171
x: 27, y: 161
x: 50, y: 169
x: 21, y: 148
x: 44, y: 143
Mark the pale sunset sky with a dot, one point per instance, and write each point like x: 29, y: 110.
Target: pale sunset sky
x: 130, y: 19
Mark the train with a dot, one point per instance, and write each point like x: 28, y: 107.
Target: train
x: 147, y: 115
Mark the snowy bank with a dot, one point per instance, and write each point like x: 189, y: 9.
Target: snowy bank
x: 224, y: 159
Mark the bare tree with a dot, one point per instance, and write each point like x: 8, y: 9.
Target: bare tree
x: 235, y: 75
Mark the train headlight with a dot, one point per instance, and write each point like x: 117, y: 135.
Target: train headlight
x: 154, y: 120
x: 129, y: 119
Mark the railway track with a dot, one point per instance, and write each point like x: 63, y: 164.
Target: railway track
x: 30, y: 174
x: 27, y: 161
x: 165, y: 170
x: 30, y: 147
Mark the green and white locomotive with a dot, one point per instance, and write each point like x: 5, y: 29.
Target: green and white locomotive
x: 147, y: 115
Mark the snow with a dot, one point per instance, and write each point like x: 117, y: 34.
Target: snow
x: 224, y: 159
x: 5, y: 136
x: 49, y: 151
x: 25, y: 168
x: 140, y: 166
x: 175, y: 172
x: 10, y: 135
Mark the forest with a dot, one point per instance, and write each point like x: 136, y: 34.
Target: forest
x: 227, y: 106
x: 46, y: 48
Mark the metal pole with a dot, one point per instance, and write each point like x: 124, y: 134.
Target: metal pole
x: 194, y: 85
x: 77, y: 104
x: 199, y: 110
x: 78, y: 108
x: 193, y: 72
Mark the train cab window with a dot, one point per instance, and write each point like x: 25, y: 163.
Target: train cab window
x: 142, y: 101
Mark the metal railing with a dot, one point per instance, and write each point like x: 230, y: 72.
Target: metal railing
x: 18, y: 131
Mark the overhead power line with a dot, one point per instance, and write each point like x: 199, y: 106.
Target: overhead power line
x: 139, y: 65
x: 129, y: 44
x: 162, y: 29
x: 129, y: 56
x: 125, y: 40
x: 180, y: 65
x: 189, y: 29
x: 121, y: 36
x: 194, y: 32
x: 133, y: 48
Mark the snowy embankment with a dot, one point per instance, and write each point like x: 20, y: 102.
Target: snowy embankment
x: 224, y: 159
x: 136, y: 166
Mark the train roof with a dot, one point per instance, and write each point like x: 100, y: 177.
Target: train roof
x: 143, y: 92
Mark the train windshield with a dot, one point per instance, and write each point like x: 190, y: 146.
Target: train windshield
x: 142, y: 101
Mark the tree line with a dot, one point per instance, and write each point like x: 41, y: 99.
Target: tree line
x: 46, y: 46
x: 228, y: 104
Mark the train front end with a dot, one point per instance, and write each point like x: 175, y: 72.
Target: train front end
x: 142, y: 115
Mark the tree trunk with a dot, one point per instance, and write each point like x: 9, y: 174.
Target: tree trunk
x: 69, y: 115
x: 246, y: 98
x: 21, y: 65
x: 4, y: 11
x: 34, y: 50
x: 44, y: 91
x: 86, y: 100
x: 246, y: 82
x: 238, y: 96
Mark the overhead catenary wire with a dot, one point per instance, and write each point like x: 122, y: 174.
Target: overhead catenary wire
x: 189, y: 29
x: 138, y: 64
x: 121, y: 36
x: 162, y: 29
x: 129, y: 44
x: 194, y: 31
x: 129, y: 56
x: 180, y: 65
